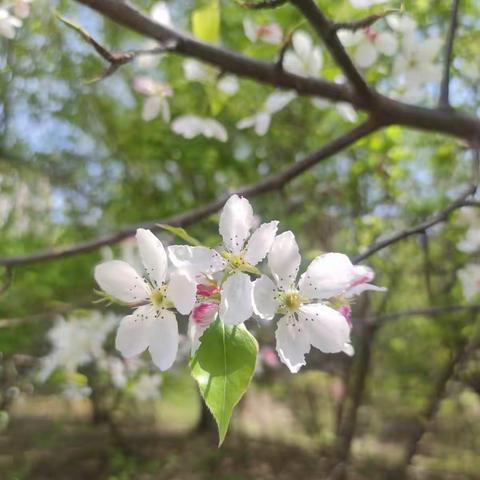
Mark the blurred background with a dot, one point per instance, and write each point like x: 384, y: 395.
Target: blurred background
x: 79, y: 160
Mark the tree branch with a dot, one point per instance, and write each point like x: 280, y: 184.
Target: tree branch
x: 363, y: 22
x: 327, y: 31
x: 390, y: 111
x: 440, y: 217
x: 273, y: 182
x: 444, y: 100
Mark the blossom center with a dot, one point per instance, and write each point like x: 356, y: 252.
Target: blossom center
x: 292, y: 301
x: 158, y: 296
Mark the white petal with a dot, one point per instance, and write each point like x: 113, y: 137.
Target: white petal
x: 153, y: 256
x: 260, y: 242
x: 151, y: 108
x: 121, y: 281
x: 366, y: 55
x: 161, y: 14
x: 247, y: 122
x: 181, y: 291
x: 349, y: 38
x: 236, y: 220
x: 265, y: 298
x: 163, y: 339
x: 133, y: 332
x: 188, y: 126
x: 292, y: 344
x: 292, y: 63
x: 278, y: 100
x: 250, y: 29
x: 348, y: 350
x: 315, y: 62
x: 328, y: 275
x: 358, y: 289
x: 236, y: 299
x: 347, y: 111
x: 429, y: 49
x: 328, y: 329
x: 302, y: 44
x: 228, y: 84
x: 195, y: 260
x: 196, y: 71
x: 213, y: 129
x: 262, y: 123
x: 284, y: 259
x: 386, y: 43
x: 195, y: 333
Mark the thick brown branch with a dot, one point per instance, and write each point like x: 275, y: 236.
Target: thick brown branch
x: 451, y: 123
x: 274, y: 182
x: 440, y: 217
x: 326, y: 30
x: 444, y: 100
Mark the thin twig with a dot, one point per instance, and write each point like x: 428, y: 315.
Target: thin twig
x: 8, y: 279
x: 271, y: 183
x: 115, y: 59
x: 440, y: 217
x: 327, y: 32
x: 261, y: 4
x: 444, y: 99
x: 363, y: 22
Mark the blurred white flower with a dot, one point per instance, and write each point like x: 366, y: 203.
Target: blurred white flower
x: 161, y: 14
x: 196, y: 71
x: 8, y: 24
x: 470, y: 278
x: 157, y: 98
x: 305, y: 59
x: 268, y: 33
x: 190, y: 126
x: 261, y: 120
x: 416, y: 65
x: 21, y: 8
x: 76, y: 342
x: 366, y: 3
x: 368, y: 45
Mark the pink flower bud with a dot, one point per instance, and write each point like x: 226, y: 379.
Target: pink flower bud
x: 207, y: 290
x: 346, y: 311
x: 204, y: 313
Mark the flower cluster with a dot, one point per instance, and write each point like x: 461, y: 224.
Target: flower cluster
x: 206, y: 284
x: 11, y: 16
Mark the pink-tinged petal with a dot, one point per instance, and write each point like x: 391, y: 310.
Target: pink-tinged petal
x: 284, y: 259
x: 121, y: 281
x: 328, y: 330
x: 327, y: 276
x: 236, y: 220
x: 260, y: 242
x: 265, y: 298
x: 203, y: 314
x: 207, y: 290
x: 292, y: 342
x: 346, y: 311
x: 196, y: 261
x: 236, y: 299
x: 133, y: 333
x: 163, y: 339
x: 154, y: 257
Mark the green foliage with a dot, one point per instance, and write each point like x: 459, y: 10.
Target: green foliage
x: 223, y: 367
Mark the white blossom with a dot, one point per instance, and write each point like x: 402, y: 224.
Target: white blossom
x: 157, y: 98
x: 416, y: 65
x: 268, y: 33
x: 8, y: 24
x: 261, y: 120
x: 470, y: 278
x: 76, y: 342
x: 368, y: 44
x: 190, y: 126
x: 366, y: 3
x: 305, y: 59
x: 147, y: 387
x: 307, y: 317
x: 196, y: 71
x: 152, y: 324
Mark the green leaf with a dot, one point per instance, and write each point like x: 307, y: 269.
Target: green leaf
x: 206, y: 22
x: 181, y: 233
x: 223, y: 367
